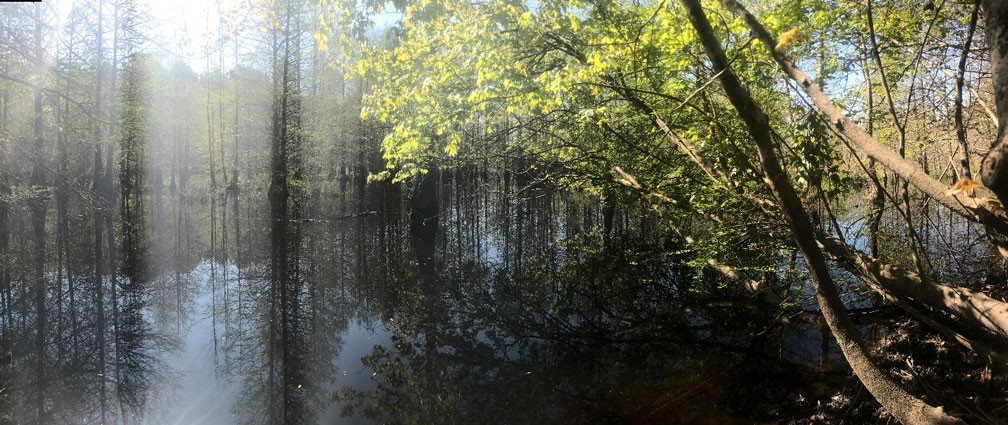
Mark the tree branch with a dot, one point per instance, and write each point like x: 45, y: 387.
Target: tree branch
x: 911, y: 172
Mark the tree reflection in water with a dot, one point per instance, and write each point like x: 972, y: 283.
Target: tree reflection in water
x: 535, y: 317
x: 468, y: 297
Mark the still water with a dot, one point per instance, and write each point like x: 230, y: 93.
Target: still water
x: 465, y: 298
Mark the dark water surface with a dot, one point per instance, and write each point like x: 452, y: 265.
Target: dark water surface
x: 466, y: 298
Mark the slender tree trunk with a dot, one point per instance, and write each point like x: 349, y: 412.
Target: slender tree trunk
x: 220, y: 109
x: 237, y: 135
x: 964, y: 161
x: 7, y: 315
x: 278, y: 224
x: 235, y: 192
x: 113, y: 259
x: 903, y: 187
x: 5, y: 190
x: 213, y: 191
x: 238, y: 271
x: 878, y: 198
x: 108, y: 187
x: 37, y: 205
x: 63, y: 273
x: 225, y: 194
x: 100, y: 204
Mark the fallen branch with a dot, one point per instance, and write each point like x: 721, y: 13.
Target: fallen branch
x: 967, y: 304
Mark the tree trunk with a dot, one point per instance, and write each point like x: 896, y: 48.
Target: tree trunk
x: 994, y: 169
x: 100, y: 204
x: 38, y: 204
x: 5, y: 190
x: 878, y: 192
x: 964, y: 161
x: 99, y: 279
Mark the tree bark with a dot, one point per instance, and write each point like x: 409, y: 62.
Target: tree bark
x: 994, y: 169
x: 901, y: 404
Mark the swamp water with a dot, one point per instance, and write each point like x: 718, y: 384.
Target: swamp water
x: 468, y: 298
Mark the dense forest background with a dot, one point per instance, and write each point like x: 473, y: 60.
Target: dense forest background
x: 701, y: 164
x: 120, y: 165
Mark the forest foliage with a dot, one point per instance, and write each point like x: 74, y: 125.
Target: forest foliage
x: 788, y: 146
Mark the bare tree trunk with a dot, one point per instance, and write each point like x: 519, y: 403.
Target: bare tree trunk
x: 37, y: 205
x: 62, y: 191
x: 111, y: 196
x: 5, y: 190
x: 99, y: 279
x: 100, y: 204
x: 213, y: 197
